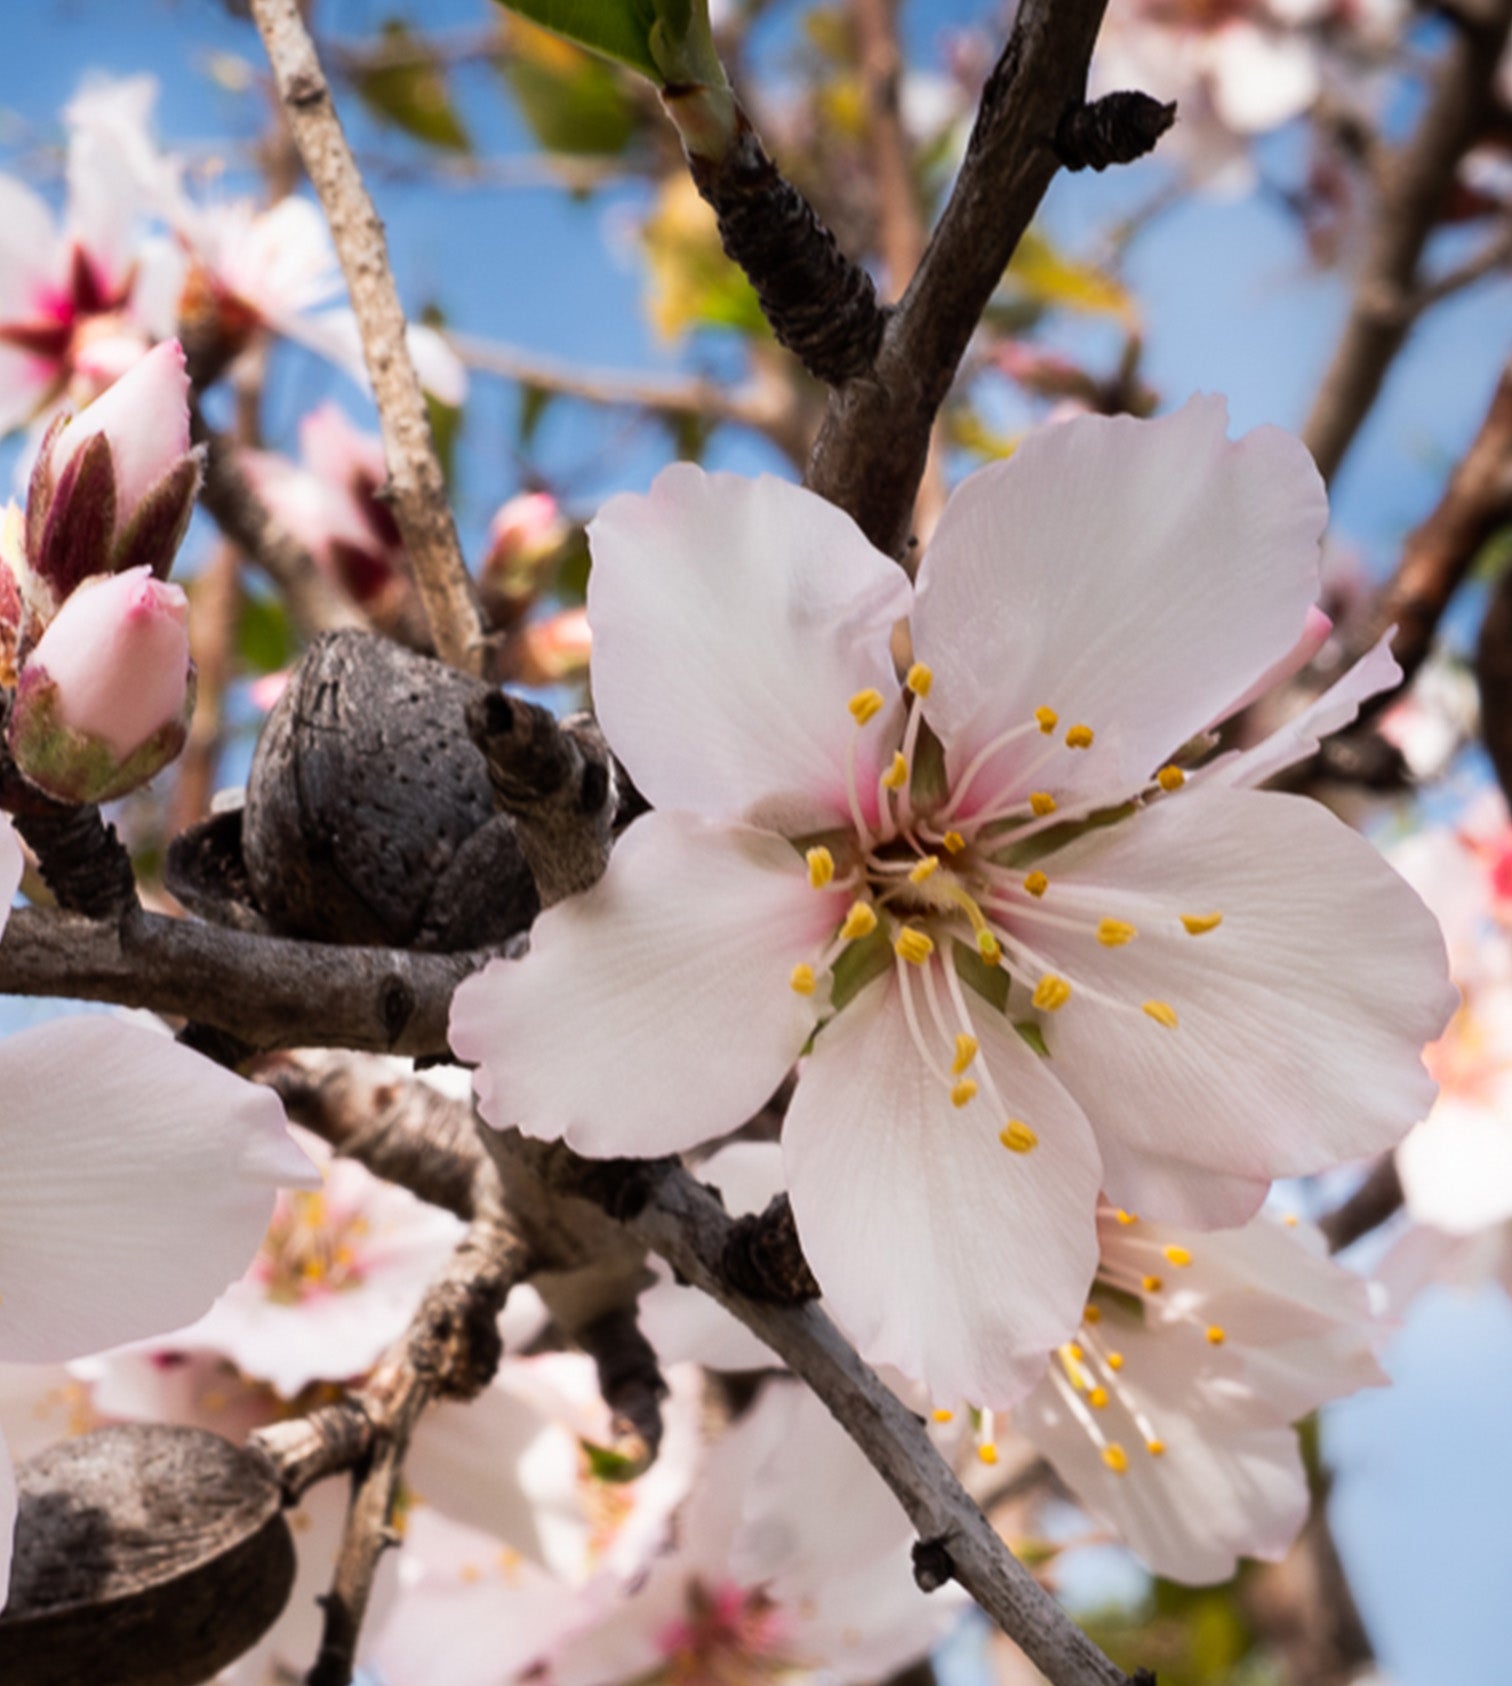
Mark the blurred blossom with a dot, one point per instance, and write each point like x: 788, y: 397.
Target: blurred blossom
x: 525, y: 539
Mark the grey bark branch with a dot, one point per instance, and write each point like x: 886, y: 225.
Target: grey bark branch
x: 418, y: 486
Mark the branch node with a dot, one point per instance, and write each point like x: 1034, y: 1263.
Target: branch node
x: 82, y: 861
x: 933, y: 1565
x: 763, y: 1257
x: 1116, y: 129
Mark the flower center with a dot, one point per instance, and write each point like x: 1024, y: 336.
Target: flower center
x: 727, y: 1637
x: 310, y: 1249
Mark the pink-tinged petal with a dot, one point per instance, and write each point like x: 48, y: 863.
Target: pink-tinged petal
x: 733, y: 620
x: 1299, y: 737
x: 1300, y: 1018
x: 1133, y: 576
x: 338, y: 452
x: 7, y: 1518
x: 138, y: 1181
x: 677, y: 965
x: 1315, y: 634
x: 12, y: 864
x: 29, y: 252
x: 873, y: 1622
x: 145, y: 416
x: 939, y: 1250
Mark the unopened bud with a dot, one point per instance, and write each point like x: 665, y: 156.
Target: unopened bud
x: 104, y: 699
x: 554, y: 650
x: 525, y: 538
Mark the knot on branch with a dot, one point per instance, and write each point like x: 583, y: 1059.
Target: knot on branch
x: 763, y: 1257
x: 932, y: 1564
x: 461, y: 1345
x: 821, y: 306
x: 82, y: 861
x: 1116, y: 129
x: 631, y: 1383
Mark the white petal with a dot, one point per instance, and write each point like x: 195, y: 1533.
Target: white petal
x: 12, y: 863
x: 732, y: 622
x: 1457, y: 1166
x: 7, y: 1518
x: 940, y: 1251
x: 871, y: 1623
x: 1301, y: 1016
x: 1134, y: 576
x: 1261, y: 78
x: 138, y: 1179
x: 653, y: 1012
x: 28, y: 249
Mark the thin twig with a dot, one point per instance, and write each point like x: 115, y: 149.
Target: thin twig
x: 416, y: 482
x: 1378, y: 1198
x: 1495, y: 253
x: 1415, y: 183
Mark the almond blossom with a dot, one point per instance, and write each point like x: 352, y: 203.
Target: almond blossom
x: 1031, y: 957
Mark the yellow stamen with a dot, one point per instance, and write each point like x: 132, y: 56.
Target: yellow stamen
x: 861, y: 921
x: 1041, y: 802
x: 1098, y: 1398
x: 1125, y: 1217
x: 919, y: 679
x: 1115, y: 1361
x: 821, y: 867
x: 1115, y: 1458
x: 1162, y: 1012
x: 1178, y: 1256
x: 1079, y: 737
x: 1092, y: 1314
x: 1170, y: 778
x: 865, y: 705
x: 1017, y: 1137
x: 1036, y: 883
x: 942, y: 1415
x: 1075, y: 1351
x: 1051, y: 993
x: 966, y: 1052
x: 923, y: 869
x: 1199, y: 924
x: 1216, y: 1335
x: 1156, y: 1448
x: 963, y: 1092
x: 987, y: 1452
x: 896, y: 775
x: 990, y: 949
x: 1152, y: 1284
x: 953, y: 842
x: 913, y: 945
x: 1291, y: 1220
x: 1114, y: 933
x: 1048, y: 720
x: 802, y: 981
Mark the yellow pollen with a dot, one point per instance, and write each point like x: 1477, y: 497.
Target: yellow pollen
x: 1115, y: 1458
x: 943, y: 1415
x: 1199, y: 924
x: 1051, y: 993
x: 1178, y: 1256
x: 865, y: 705
x: 821, y: 867
x: 987, y: 1452
x: 1156, y: 1448
x: 1098, y: 1398
x: 953, y: 842
x: 1041, y: 802
x: 1048, y: 720
x: 861, y: 921
x: 1153, y: 1284
x: 1092, y: 1314
x: 919, y: 679
x: 1125, y: 1217
x: 1291, y: 1220
x: 1036, y: 883
x: 801, y: 979
x: 963, y: 1092
x: 1079, y: 737
x: 990, y: 949
x: 1114, y: 933
x: 1162, y: 1012
x: 1075, y: 1351
x: 1115, y: 1361
x: 913, y: 945
x: 924, y: 869
x: 896, y: 775
x: 966, y: 1052
x: 1017, y: 1137
x: 1216, y: 1335
x: 1170, y: 778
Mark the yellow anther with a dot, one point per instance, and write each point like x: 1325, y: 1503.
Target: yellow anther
x: 1162, y: 1012
x: 1125, y: 1217
x: 1170, y: 778
x: 923, y: 869
x: 919, y: 679
x: 913, y: 945
x: 954, y: 842
x: 896, y: 775
x: 1041, y: 802
x: 1115, y: 1361
x: 801, y: 980
x: 1051, y: 993
x: 1093, y: 1314
x: 1152, y: 1284
x: 821, y: 867
x: 861, y: 921
x: 1098, y: 1398
x: 1036, y: 883
x: 990, y: 949
x: 1075, y: 1352
x: 1114, y: 933
x: 987, y: 1452
x: 1178, y: 1256
x: 1079, y: 737
x: 1048, y: 720
x: 1199, y: 924
x: 1115, y: 1457
x: 1216, y: 1335
x: 942, y: 1414
x: 966, y: 1052
x: 1156, y: 1448
x: 1291, y: 1220
x: 963, y: 1092
x: 1017, y: 1137
x: 865, y: 705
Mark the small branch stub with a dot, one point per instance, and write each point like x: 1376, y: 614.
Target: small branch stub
x: 1116, y: 129
x: 763, y: 1257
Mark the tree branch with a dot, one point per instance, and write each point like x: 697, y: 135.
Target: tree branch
x: 1378, y: 1198
x: 416, y: 482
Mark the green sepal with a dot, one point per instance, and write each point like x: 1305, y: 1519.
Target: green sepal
x: 859, y: 964
x: 1033, y: 1035
x: 605, y: 1464
x: 990, y: 982
x: 1043, y: 843
x: 926, y: 783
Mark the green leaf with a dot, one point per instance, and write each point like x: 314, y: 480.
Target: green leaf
x: 571, y: 101
x: 619, y: 29
x: 412, y: 93
x: 1044, y: 274
x: 534, y: 403
x: 446, y: 424
x: 607, y: 1465
x: 264, y: 639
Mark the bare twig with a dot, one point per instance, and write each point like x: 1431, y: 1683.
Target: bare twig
x: 1415, y: 182
x: 416, y: 482
x: 1378, y: 1198
x: 1494, y: 253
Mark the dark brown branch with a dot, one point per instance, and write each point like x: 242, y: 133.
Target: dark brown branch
x: 1415, y: 182
x: 1378, y: 1198
x: 873, y: 446
x: 81, y: 860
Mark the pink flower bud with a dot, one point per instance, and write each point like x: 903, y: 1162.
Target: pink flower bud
x: 105, y: 697
x: 145, y: 417
x: 526, y: 535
